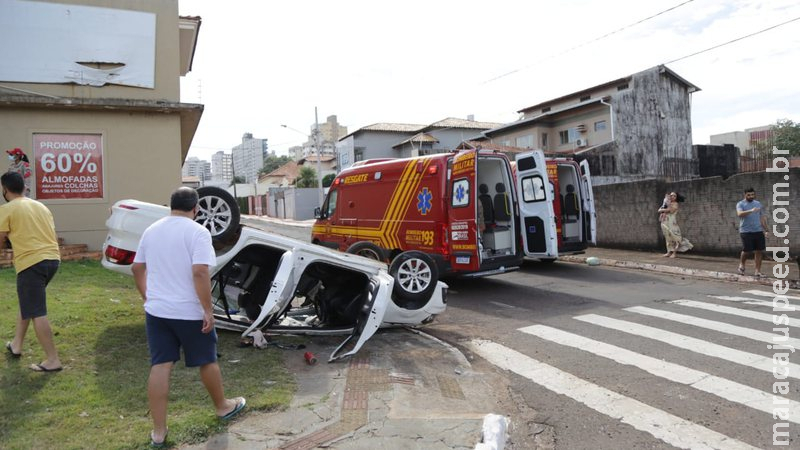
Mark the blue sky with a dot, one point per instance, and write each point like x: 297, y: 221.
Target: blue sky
x: 262, y: 64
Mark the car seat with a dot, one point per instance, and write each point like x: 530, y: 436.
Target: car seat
x: 502, y: 207
x: 571, y: 206
x: 486, y: 202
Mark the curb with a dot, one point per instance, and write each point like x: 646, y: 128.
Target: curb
x: 698, y: 273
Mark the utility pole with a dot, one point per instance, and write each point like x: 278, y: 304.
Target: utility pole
x: 319, y: 157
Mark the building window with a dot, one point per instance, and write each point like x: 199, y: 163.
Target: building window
x: 505, y: 142
x: 622, y: 87
x: 585, y: 97
x: 525, y: 141
x: 544, y: 110
x: 544, y: 140
x: 358, y: 154
x: 600, y: 125
x: 569, y: 135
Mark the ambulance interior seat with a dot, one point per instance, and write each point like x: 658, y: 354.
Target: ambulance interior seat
x: 502, y: 208
x: 571, y: 210
x: 486, y: 203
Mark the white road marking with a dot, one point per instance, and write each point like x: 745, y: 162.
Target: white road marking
x: 671, y: 429
x: 745, y: 300
x: 749, y: 333
x: 732, y: 311
x: 770, y: 294
x: 689, y: 343
x: 503, y: 305
x: 721, y: 387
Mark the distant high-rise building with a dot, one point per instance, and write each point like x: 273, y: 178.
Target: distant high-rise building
x: 248, y: 157
x: 329, y: 132
x: 221, y: 169
x: 196, y: 167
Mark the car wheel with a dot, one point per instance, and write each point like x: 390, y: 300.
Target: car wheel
x: 415, y: 276
x: 218, y: 212
x: 367, y: 250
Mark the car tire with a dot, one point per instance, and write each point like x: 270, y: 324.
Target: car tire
x: 367, y: 250
x: 218, y: 212
x: 415, y: 276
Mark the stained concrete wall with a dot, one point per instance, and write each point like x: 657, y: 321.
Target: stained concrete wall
x: 627, y: 217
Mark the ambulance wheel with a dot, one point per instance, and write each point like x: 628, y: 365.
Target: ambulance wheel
x: 218, y: 212
x: 415, y: 276
x: 367, y: 250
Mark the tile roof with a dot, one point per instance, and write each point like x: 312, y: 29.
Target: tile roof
x: 393, y: 127
x: 452, y: 122
x: 288, y: 170
x: 418, y: 138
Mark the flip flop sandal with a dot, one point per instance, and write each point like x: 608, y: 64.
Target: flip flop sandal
x: 11, y: 352
x: 240, y: 404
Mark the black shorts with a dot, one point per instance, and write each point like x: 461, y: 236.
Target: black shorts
x: 31, y: 288
x: 753, y: 241
x: 165, y: 337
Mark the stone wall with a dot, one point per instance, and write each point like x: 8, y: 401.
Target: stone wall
x: 627, y: 217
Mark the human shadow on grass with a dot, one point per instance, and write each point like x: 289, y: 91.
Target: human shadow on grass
x: 20, y: 396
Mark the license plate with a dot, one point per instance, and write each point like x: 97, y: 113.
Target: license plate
x: 462, y: 259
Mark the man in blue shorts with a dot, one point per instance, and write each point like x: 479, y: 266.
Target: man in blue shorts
x: 752, y: 229
x: 171, y: 269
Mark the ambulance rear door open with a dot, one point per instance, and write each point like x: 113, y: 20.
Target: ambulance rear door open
x: 535, y: 197
x: 463, y: 238
x: 588, y: 203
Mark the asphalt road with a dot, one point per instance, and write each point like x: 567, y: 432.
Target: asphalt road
x: 600, y: 356
x: 587, y: 346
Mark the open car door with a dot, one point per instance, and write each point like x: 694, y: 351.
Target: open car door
x: 281, y: 293
x: 535, y: 196
x: 369, y: 318
x: 590, y: 215
x: 462, y: 207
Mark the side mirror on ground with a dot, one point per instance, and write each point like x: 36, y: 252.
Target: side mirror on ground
x: 317, y: 213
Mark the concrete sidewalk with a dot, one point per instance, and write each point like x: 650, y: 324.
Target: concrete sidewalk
x: 405, y: 390
x: 691, y: 265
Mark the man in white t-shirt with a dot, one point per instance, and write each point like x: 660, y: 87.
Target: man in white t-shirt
x: 171, y: 269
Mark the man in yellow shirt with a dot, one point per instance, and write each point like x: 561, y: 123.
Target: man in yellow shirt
x: 29, y: 226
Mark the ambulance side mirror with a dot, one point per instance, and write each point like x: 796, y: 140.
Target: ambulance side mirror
x: 317, y: 213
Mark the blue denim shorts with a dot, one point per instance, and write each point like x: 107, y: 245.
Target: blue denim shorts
x: 165, y: 337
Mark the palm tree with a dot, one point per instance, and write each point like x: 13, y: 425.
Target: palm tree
x: 307, y: 178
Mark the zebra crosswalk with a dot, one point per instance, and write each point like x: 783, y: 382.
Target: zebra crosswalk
x: 653, y: 419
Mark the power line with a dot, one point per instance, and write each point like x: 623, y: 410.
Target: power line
x: 590, y: 41
x: 734, y: 40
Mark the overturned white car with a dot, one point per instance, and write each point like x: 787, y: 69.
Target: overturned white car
x: 276, y: 284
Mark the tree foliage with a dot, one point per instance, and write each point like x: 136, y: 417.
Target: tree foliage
x: 272, y: 162
x: 307, y: 178
x: 786, y: 136
x: 238, y: 179
x: 328, y: 179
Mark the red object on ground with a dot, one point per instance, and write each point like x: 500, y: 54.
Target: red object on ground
x: 310, y: 358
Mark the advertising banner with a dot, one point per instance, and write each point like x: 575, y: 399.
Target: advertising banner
x: 68, y: 166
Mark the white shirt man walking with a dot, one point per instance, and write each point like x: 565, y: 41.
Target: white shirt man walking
x: 171, y: 269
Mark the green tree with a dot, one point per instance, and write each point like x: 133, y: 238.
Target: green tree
x: 272, y: 162
x: 238, y: 179
x: 307, y: 178
x: 786, y: 136
x: 328, y: 179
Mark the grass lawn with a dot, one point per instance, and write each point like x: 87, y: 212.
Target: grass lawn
x: 99, y: 400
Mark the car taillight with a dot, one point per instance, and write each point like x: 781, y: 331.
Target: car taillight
x: 119, y: 256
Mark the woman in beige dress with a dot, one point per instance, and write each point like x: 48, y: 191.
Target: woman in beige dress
x: 669, y: 226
